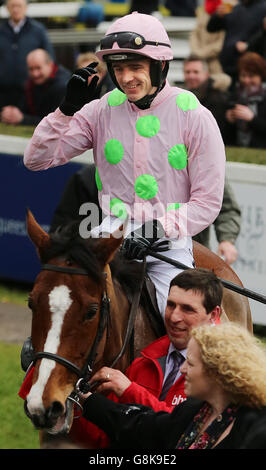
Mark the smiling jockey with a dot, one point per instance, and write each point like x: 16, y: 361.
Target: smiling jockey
x: 158, y: 152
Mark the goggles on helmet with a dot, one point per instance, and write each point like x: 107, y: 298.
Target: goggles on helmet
x: 128, y: 40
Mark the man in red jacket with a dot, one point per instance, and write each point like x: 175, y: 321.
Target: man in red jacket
x: 195, y: 297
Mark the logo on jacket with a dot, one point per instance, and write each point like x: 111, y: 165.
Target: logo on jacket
x: 176, y: 400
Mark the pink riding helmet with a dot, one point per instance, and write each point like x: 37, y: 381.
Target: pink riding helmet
x: 149, y: 28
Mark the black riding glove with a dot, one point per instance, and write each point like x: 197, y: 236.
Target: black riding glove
x: 27, y: 354
x: 78, y: 91
x: 136, y: 246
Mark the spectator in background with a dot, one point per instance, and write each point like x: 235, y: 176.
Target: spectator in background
x: 257, y: 43
x: 147, y: 7
x: 239, y: 25
x: 44, y: 90
x: 198, y: 80
x: 18, y: 36
x: 184, y: 8
x: 226, y: 226
x: 208, y: 46
x: 211, y: 6
x: 105, y: 83
x: 246, y: 116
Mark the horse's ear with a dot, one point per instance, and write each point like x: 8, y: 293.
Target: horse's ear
x: 107, y: 247
x: 38, y: 236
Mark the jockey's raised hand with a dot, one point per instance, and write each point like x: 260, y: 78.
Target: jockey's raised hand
x: 80, y: 89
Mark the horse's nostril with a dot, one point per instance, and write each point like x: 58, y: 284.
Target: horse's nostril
x: 56, y: 409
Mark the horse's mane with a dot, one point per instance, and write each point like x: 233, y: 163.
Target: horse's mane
x: 66, y: 241
x: 127, y: 272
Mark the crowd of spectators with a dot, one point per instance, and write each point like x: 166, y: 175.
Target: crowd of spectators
x: 226, y: 68
x: 19, y: 35
x: 32, y: 83
x: 228, y: 43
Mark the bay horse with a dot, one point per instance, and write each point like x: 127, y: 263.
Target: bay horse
x: 80, y: 306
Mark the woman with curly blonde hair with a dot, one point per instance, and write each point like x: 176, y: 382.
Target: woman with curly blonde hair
x: 236, y: 360
x: 225, y: 382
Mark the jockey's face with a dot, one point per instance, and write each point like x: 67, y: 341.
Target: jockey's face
x: 184, y: 310
x: 133, y: 77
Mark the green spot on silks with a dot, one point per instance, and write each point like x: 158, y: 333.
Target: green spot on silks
x: 146, y: 186
x: 148, y: 126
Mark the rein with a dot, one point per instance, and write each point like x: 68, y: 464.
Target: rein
x: 229, y: 285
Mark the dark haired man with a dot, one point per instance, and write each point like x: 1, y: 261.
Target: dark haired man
x: 154, y: 379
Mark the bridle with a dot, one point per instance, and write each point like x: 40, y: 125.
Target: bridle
x: 86, y: 370
x: 84, y: 374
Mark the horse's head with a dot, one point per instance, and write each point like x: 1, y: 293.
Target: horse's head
x: 67, y: 306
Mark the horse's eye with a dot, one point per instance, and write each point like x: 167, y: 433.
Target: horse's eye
x: 30, y: 303
x: 91, y: 312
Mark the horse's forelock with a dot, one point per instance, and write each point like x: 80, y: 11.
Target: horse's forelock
x: 67, y: 242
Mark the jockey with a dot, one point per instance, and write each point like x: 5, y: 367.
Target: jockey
x: 158, y: 152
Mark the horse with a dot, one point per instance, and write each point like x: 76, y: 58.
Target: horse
x: 82, y: 303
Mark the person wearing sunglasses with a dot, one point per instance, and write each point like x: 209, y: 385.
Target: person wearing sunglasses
x: 158, y: 152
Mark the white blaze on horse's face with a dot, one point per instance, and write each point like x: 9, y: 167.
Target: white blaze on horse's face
x: 59, y: 303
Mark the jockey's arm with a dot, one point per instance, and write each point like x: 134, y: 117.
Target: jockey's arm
x: 58, y: 138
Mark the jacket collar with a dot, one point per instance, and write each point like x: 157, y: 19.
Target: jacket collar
x: 157, y: 348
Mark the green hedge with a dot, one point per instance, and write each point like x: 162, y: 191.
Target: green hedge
x: 18, y: 131
x: 246, y: 155
x: 233, y: 154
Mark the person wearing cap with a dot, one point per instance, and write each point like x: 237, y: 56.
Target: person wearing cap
x: 158, y: 152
